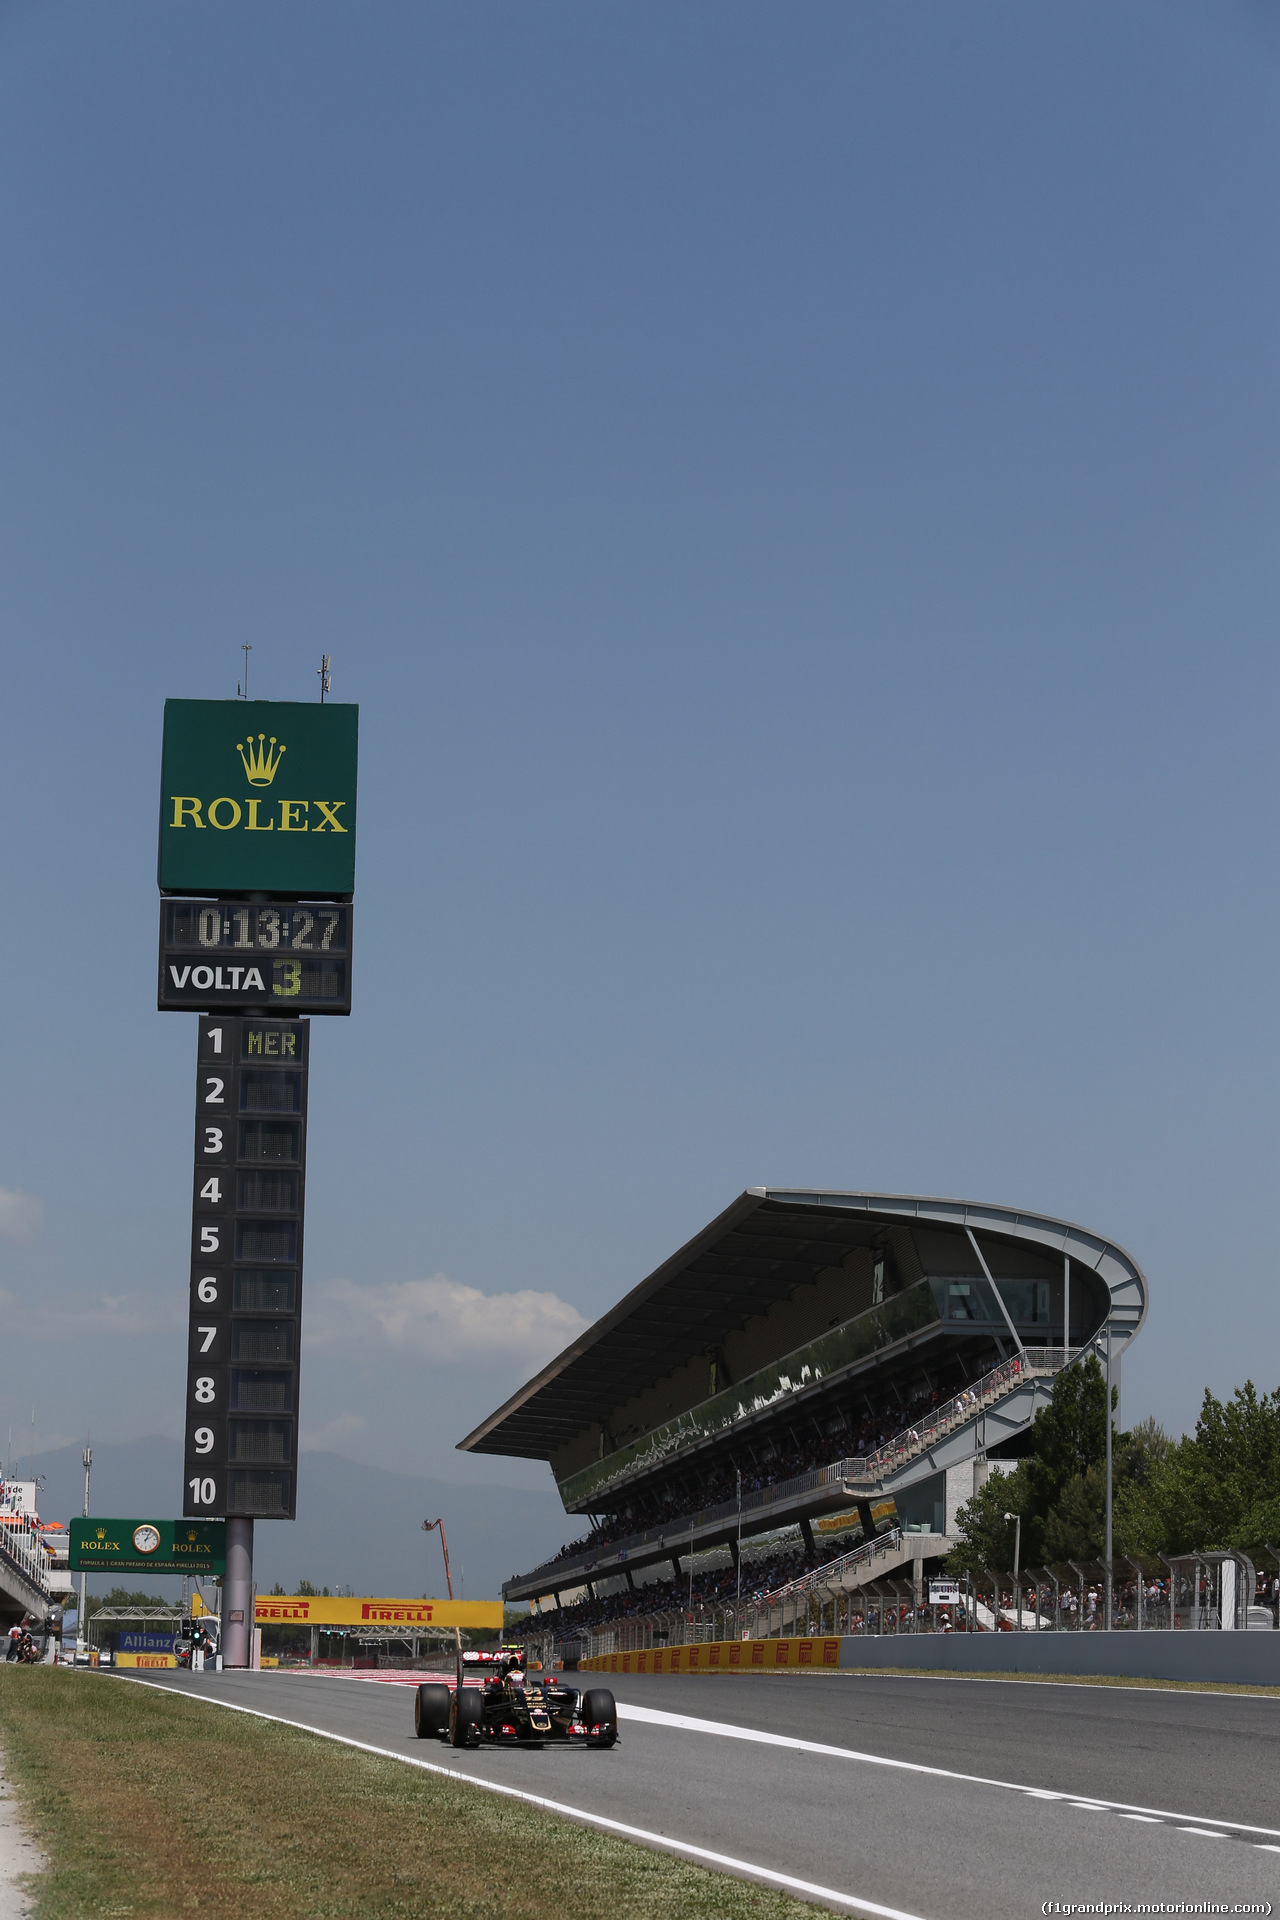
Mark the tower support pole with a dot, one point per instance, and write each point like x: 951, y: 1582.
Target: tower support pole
x: 237, y: 1594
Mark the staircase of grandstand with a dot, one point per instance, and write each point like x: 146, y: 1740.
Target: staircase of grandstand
x: 871, y: 1560
x: 857, y: 1474
x: 873, y: 1469
x: 24, y: 1565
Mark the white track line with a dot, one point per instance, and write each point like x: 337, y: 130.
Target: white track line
x: 688, y: 1723
x: 725, y: 1861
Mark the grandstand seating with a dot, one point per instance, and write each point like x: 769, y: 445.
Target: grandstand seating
x: 806, y: 1361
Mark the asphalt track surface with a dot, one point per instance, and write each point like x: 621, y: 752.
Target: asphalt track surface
x: 946, y: 1799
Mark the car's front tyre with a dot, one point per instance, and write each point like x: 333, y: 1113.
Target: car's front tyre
x: 599, y: 1715
x: 467, y: 1716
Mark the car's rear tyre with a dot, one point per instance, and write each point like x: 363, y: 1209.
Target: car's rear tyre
x: 468, y: 1715
x: 431, y: 1710
x: 600, y: 1709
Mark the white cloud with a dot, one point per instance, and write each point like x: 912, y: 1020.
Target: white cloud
x: 105, y: 1315
x: 20, y: 1214
x: 343, y: 1427
x: 442, y: 1320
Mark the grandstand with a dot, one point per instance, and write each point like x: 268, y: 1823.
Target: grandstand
x: 812, y: 1370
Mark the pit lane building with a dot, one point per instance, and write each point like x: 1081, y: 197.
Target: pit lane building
x: 849, y: 1355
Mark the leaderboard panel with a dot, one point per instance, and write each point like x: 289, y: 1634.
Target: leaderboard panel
x: 241, y: 1451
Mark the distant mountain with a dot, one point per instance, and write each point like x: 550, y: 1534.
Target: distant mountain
x: 357, y: 1526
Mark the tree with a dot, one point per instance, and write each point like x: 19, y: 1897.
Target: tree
x: 986, y: 1537
x: 1059, y: 1490
x: 1229, y: 1476
x: 1069, y: 1435
x: 1075, y: 1527
x: 1217, y: 1488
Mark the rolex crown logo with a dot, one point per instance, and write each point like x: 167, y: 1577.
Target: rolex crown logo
x: 102, y: 1533
x: 259, y: 765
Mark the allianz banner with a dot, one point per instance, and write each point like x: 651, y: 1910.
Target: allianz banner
x: 258, y: 796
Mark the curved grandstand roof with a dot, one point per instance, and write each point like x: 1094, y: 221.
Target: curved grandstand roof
x: 759, y: 1250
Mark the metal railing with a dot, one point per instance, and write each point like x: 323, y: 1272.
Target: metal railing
x: 842, y: 1598
x: 861, y: 1472
x: 22, y: 1549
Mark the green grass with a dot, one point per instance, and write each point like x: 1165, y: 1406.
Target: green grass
x: 150, y: 1805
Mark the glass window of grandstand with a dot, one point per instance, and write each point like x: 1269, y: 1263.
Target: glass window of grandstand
x: 967, y: 1300
x: 1029, y: 1301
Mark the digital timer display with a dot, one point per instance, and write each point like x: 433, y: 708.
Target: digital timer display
x: 278, y: 956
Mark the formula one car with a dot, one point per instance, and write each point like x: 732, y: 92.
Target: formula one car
x: 496, y: 1701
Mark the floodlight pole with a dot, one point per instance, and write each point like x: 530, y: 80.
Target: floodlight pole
x: 737, y: 1612
x: 428, y: 1526
x: 1017, y: 1557
x: 1107, y: 1617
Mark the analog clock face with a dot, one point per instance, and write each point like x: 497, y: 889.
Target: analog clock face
x: 146, y: 1539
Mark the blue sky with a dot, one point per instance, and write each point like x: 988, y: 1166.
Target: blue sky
x: 793, y: 491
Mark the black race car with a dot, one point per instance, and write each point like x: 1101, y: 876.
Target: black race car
x: 496, y: 1701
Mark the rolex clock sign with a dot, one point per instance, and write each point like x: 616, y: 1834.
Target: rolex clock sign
x: 197, y: 1548
x: 258, y: 797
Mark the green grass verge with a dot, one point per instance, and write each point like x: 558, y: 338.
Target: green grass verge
x: 150, y: 1805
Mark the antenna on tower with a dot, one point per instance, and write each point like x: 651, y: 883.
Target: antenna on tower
x: 246, y: 651
x: 323, y: 671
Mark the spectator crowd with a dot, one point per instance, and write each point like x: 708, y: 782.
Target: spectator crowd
x: 692, y: 1488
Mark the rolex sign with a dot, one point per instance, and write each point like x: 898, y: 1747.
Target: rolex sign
x: 258, y: 796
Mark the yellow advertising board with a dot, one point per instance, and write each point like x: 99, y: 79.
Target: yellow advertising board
x: 883, y: 1512
x: 145, y: 1660
x: 413, y: 1616
x: 721, y: 1656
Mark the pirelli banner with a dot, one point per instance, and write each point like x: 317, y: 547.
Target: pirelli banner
x: 412, y: 1616
x: 719, y: 1656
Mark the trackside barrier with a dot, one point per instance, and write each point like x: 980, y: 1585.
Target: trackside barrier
x: 1241, y: 1659
x: 715, y: 1655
